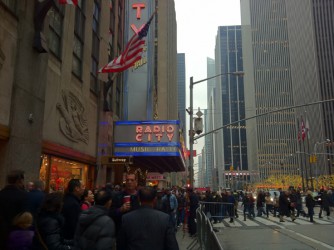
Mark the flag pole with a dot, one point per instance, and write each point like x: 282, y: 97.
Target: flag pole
x: 308, y: 150
x: 305, y: 156
x: 300, y: 159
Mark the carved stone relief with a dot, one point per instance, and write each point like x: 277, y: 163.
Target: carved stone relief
x: 73, y: 121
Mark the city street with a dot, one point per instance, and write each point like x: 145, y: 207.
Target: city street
x: 263, y: 233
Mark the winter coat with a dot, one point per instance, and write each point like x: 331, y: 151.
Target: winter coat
x: 309, y: 201
x: 20, y: 239
x: 71, y: 212
x: 49, y: 227
x: 325, y: 200
x: 13, y: 201
x: 96, y: 230
x: 284, y: 205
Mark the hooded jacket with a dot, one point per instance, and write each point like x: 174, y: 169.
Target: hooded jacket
x: 96, y: 230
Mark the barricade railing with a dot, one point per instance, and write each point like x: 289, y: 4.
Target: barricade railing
x: 217, y: 211
x: 206, y: 236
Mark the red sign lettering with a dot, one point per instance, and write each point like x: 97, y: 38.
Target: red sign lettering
x: 138, y: 6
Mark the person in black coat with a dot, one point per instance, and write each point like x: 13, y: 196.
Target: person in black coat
x: 284, y: 206
x: 72, y: 209
x: 36, y: 197
x: 193, y: 205
x: 13, y: 201
x: 96, y: 230
x: 147, y: 228
x: 310, y: 203
x: 49, y: 225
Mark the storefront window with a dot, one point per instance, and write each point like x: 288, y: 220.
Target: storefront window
x: 57, y: 172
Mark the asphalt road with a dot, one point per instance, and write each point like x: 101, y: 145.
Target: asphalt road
x: 263, y: 233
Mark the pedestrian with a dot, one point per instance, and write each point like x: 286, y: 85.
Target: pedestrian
x: 158, y: 204
x: 36, y: 197
x: 96, y: 230
x: 147, y: 228
x: 230, y: 205
x: 310, y: 203
x: 181, y: 208
x: 325, y: 203
x: 299, y: 203
x: 292, y: 198
x: 284, y: 206
x: 71, y: 209
x: 260, y: 202
x: 276, y: 203
x: 193, y: 204
x: 269, y: 203
x: 87, y: 199
x: 13, y: 201
x: 170, y: 205
x: 49, y: 226
x: 124, y: 202
x: 21, y: 236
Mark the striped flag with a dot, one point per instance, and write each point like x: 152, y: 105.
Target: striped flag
x: 74, y: 2
x: 132, y: 53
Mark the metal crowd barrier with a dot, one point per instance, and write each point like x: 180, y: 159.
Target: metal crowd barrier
x: 206, y: 212
x: 217, y: 211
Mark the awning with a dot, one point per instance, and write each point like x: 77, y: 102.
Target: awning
x: 159, y: 164
x: 154, y: 145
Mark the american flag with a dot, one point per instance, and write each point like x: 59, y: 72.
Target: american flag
x: 303, y: 128
x: 74, y: 2
x: 132, y: 53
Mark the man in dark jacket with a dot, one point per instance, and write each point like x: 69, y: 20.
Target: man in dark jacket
x: 36, y: 197
x: 147, y: 228
x: 13, y: 201
x: 96, y: 230
x: 71, y: 209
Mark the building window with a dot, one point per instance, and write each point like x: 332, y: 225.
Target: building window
x: 56, y: 29
x: 78, y: 41
x: 95, y: 46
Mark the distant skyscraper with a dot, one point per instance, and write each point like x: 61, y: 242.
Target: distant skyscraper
x: 209, y: 126
x: 181, y: 88
x: 281, y: 71
x: 324, y: 35
x: 232, y: 151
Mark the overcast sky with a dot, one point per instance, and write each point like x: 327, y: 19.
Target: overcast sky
x: 197, y: 26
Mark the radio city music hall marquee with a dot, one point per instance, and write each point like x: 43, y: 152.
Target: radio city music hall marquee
x: 146, y: 138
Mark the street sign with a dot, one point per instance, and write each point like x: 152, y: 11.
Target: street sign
x: 116, y: 160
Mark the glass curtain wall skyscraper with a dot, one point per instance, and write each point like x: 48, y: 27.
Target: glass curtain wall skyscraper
x: 231, y: 105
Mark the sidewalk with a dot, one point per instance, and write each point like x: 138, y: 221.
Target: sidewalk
x: 184, y: 240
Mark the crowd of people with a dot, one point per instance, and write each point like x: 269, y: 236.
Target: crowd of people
x: 127, y: 217
x: 279, y: 203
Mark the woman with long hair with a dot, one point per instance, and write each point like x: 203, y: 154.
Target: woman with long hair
x: 49, y: 225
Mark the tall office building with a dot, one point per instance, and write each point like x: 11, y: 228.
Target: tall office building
x: 232, y: 152
x: 181, y: 92
x: 209, y: 125
x: 324, y: 36
x: 150, y: 88
x: 279, y: 53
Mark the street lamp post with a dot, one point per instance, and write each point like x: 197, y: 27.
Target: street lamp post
x: 191, y: 113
